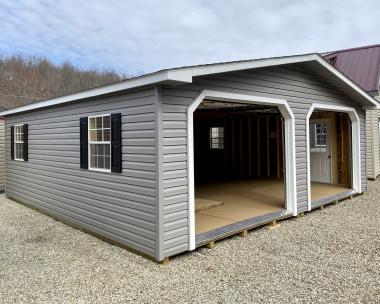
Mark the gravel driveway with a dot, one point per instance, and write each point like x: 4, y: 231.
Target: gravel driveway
x: 328, y: 256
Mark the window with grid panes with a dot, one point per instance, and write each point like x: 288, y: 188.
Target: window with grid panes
x: 99, y: 142
x: 19, y: 142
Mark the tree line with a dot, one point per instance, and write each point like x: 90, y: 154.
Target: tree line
x: 25, y: 80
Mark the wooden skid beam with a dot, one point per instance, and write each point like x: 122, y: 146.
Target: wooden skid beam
x: 165, y: 261
x: 300, y: 215
x: 273, y: 225
x: 243, y: 233
x: 210, y: 245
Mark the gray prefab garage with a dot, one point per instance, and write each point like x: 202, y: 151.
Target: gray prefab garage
x: 170, y: 161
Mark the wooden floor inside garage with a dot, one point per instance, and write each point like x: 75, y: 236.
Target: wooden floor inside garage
x: 244, y: 199
x: 319, y: 190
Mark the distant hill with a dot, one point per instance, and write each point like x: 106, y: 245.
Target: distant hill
x: 25, y: 80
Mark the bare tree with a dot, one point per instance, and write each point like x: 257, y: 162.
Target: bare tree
x: 25, y: 80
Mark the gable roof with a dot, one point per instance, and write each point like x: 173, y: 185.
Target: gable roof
x: 184, y: 75
x: 361, y: 65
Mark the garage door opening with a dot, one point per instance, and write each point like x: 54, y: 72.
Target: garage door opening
x: 330, y: 156
x: 238, y: 164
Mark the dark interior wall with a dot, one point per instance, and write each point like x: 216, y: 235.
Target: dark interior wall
x: 252, y: 145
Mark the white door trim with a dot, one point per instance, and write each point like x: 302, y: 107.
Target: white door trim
x: 290, y: 148
x: 355, y: 145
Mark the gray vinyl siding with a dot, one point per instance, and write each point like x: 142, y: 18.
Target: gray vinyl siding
x: 2, y: 155
x: 369, y: 135
x: 146, y: 206
x: 373, y: 143
x: 121, y: 207
x: 363, y: 148
x: 298, y: 86
x: 173, y: 175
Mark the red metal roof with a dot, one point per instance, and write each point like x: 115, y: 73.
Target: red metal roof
x: 361, y: 65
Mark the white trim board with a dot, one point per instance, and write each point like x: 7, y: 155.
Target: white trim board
x: 355, y: 145
x: 177, y: 76
x: 289, y: 149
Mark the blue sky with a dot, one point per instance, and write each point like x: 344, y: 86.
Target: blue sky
x: 142, y: 36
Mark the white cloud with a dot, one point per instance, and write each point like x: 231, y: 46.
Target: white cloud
x: 135, y: 36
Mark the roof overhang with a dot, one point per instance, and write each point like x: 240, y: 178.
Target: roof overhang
x: 183, y: 75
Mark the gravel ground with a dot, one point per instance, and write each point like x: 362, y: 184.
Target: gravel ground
x: 328, y: 256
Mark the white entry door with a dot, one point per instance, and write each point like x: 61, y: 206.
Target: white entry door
x: 320, y: 150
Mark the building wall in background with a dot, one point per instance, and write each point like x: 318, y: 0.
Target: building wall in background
x: 373, y: 142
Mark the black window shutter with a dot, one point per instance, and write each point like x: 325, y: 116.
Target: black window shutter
x: 12, y: 142
x: 116, y: 143
x: 25, y: 146
x: 84, y: 143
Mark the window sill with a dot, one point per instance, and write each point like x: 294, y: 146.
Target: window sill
x: 100, y: 170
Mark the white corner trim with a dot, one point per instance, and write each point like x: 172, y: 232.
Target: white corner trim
x: 355, y: 145
x: 290, y: 151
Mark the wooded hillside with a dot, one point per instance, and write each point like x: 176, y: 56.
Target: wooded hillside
x: 27, y: 80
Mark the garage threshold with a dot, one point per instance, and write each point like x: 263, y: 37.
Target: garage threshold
x: 235, y: 228
x: 333, y: 198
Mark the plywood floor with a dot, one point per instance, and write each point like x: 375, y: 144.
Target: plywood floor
x: 319, y: 190
x: 244, y: 199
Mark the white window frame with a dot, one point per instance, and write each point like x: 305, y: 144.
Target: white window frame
x: 98, y: 142
x: 18, y: 142
x: 316, y: 145
x: 316, y: 137
x: 219, y: 138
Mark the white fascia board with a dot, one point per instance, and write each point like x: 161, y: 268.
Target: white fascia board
x: 374, y: 104
x: 186, y: 74
x: 182, y: 76
x: 172, y: 77
x: 246, y: 65
x: 254, y: 64
x: 377, y: 104
x: 236, y: 66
